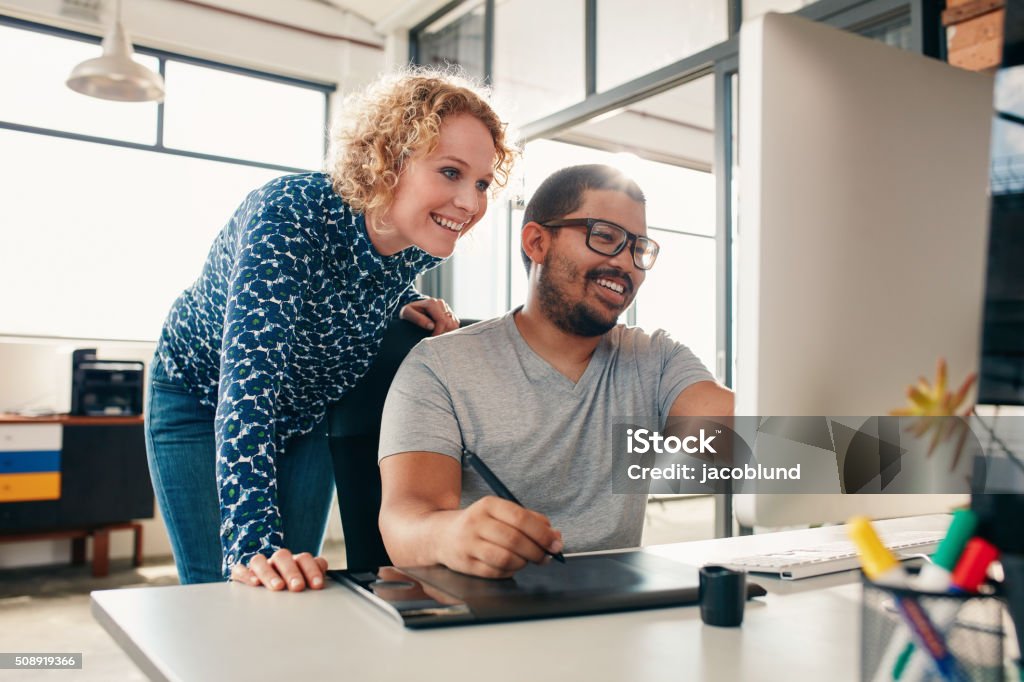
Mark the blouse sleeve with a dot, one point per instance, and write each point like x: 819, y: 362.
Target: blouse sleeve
x: 266, y: 287
x: 408, y: 296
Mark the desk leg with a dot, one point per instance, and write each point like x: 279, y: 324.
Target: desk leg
x: 78, y: 551
x: 100, y: 553
x: 723, y: 513
x: 137, y: 530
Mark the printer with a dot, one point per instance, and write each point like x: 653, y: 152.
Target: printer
x: 105, y: 387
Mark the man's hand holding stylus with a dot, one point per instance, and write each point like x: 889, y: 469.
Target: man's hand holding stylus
x: 422, y: 524
x: 494, y: 538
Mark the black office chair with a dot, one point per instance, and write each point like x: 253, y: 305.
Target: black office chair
x: 354, y: 433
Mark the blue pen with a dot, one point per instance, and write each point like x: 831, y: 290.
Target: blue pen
x: 930, y: 639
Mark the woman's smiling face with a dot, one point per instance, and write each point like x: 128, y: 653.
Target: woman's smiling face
x: 441, y: 195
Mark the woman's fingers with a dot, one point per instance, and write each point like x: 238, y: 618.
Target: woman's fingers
x: 285, y: 564
x: 241, y: 574
x: 431, y: 313
x: 283, y: 570
x: 452, y: 321
x: 412, y: 313
x: 312, y: 569
x: 267, y: 574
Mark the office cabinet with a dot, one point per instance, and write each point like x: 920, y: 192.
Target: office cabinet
x: 63, y: 472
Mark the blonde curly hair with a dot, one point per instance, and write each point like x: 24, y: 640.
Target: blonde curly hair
x: 398, y: 118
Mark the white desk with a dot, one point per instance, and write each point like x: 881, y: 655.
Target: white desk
x: 806, y: 629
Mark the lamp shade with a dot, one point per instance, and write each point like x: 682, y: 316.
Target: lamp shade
x: 115, y: 75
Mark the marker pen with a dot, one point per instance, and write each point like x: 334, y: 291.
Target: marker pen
x: 967, y: 577
x: 935, y: 576
x: 884, y: 569
x: 877, y: 562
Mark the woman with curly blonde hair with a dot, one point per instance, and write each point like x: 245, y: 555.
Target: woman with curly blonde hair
x: 289, y: 312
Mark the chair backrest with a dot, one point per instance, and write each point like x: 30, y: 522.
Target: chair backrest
x: 354, y: 434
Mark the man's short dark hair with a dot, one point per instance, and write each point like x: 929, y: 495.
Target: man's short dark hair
x: 562, y: 193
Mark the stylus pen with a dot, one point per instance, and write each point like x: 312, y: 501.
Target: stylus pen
x: 498, y: 487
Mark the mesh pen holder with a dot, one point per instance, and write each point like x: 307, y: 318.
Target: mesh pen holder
x: 969, y: 629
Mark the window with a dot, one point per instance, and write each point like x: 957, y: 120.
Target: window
x: 632, y: 42
x: 538, y: 63
x: 679, y: 292
x: 107, y: 209
x: 213, y: 111
x: 896, y: 32
x: 456, y: 38
x: 98, y: 239
x: 35, y: 94
x: 755, y: 8
x: 479, y: 269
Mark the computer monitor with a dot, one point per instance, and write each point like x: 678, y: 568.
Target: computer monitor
x: 862, y: 235
x: 1002, y: 348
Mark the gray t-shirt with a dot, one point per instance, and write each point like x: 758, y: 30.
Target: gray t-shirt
x: 546, y: 438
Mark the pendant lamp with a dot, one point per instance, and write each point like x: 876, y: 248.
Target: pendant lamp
x: 115, y: 75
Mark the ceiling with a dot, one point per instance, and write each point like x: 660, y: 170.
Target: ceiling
x: 373, y: 10
x: 394, y: 13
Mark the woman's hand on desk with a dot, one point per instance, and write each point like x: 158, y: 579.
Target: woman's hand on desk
x: 283, y: 569
x: 494, y: 538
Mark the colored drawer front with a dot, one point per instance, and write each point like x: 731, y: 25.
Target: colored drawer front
x: 31, y: 462
x: 29, y: 487
x: 26, y: 437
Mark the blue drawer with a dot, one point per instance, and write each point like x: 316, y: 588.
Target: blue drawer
x: 29, y: 462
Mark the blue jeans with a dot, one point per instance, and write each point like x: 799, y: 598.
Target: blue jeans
x: 182, y: 455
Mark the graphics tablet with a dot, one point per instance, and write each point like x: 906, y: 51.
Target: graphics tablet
x: 434, y: 596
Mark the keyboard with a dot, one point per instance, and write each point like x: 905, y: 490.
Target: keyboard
x: 833, y: 557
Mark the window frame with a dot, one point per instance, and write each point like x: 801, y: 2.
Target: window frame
x: 327, y: 89
x: 163, y: 57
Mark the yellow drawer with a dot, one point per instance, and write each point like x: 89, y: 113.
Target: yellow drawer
x: 29, y: 487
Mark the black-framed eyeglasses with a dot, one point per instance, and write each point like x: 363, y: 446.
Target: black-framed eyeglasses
x: 608, y: 239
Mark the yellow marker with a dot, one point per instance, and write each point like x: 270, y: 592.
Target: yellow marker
x: 879, y: 564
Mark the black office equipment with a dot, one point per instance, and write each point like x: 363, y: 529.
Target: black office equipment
x: 723, y: 594
x: 105, y: 387
x: 354, y: 433
x: 434, y: 596
x: 1001, y: 380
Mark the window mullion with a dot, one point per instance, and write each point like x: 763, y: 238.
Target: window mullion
x: 160, y: 108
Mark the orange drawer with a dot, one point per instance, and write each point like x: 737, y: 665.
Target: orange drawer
x: 29, y: 487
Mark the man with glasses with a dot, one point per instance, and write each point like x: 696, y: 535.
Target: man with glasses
x: 535, y: 394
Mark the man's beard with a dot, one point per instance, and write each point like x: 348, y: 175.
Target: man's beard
x: 572, y: 318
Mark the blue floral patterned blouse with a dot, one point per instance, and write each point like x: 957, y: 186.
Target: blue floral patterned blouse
x: 287, y: 315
